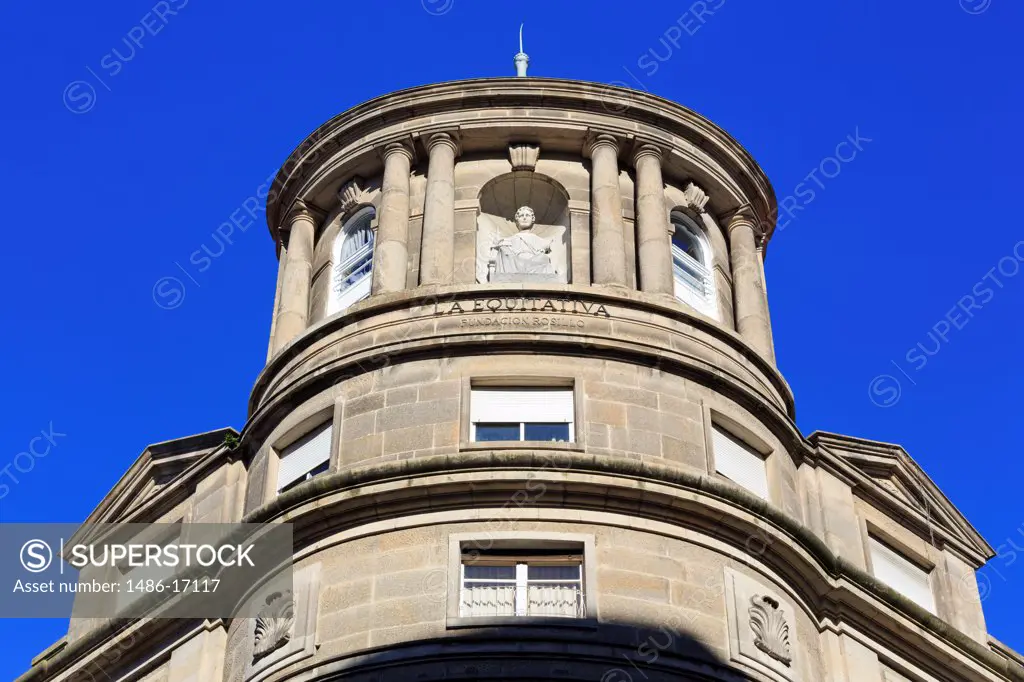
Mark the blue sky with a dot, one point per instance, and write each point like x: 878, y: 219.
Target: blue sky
x: 120, y: 165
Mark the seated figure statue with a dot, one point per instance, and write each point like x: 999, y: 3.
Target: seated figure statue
x: 524, y: 256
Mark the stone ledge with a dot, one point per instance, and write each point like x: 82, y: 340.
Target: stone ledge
x: 646, y: 312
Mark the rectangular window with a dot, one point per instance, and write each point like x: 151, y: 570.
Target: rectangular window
x: 739, y: 462
x: 517, y: 414
x: 902, y: 575
x: 305, y: 458
x: 538, y: 583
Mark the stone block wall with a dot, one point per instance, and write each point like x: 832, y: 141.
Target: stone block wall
x: 388, y: 589
x: 421, y: 408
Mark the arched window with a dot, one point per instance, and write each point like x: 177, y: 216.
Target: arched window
x: 352, y: 261
x: 691, y: 265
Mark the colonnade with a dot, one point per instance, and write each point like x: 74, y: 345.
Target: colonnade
x: 607, y: 233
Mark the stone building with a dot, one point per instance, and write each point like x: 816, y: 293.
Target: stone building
x: 521, y: 406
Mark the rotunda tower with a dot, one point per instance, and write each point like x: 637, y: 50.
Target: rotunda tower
x: 522, y: 409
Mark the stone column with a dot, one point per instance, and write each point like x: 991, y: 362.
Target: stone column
x: 437, y: 247
x: 293, y: 310
x: 609, y: 246
x: 748, y: 287
x: 282, y: 261
x: 391, y: 249
x: 654, y: 243
x: 764, y: 290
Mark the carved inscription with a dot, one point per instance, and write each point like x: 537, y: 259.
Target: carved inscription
x: 524, y: 312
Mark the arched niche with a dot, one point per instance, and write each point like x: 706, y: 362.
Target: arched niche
x: 357, y: 196
x: 540, y: 253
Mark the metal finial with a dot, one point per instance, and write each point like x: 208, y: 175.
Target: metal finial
x: 521, y: 59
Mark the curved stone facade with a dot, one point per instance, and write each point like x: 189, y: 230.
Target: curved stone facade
x: 669, y: 523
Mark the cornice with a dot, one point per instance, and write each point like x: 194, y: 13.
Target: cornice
x: 674, y: 120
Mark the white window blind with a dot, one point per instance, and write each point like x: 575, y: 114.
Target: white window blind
x: 739, y: 462
x: 899, y: 573
x: 543, y: 405
x: 353, y: 262
x: 691, y: 266
x: 304, y: 455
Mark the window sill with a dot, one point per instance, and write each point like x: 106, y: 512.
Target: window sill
x: 471, y: 446
x: 521, y: 621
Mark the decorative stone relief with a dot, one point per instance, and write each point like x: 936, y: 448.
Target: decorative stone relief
x: 523, y: 156
x: 771, y: 631
x: 274, y: 624
x: 285, y: 629
x: 352, y: 193
x: 760, y: 623
x: 695, y: 197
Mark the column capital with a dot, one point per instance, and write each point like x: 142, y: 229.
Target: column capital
x: 643, y: 149
x: 742, y: 216
x: 596, y: 140
x: 403, y: 147
x: 449, y: 138
x: 300, y: 210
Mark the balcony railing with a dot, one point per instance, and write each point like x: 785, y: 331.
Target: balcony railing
x: 538, y: 600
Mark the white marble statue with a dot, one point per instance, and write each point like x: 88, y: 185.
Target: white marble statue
x: 524, y: 252
x: 520, y: 250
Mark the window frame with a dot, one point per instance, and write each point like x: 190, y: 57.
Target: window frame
x: 573, y: 544
x: 706, y: 301
x: 294, y: 433
x: 514, y: 383
x: 521, y: 579
x: 714, y: 419
x: 928, y: 569
x: 338, y: 301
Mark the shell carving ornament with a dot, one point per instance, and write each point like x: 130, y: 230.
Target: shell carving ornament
x: 351, y: 193
x: 771, y: 631
x: 274, y: 624
x: 696, y: 198
x: 523, y: 156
